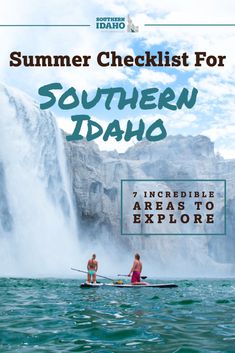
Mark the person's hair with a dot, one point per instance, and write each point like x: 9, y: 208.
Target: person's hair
x: 94, y: 255
x: 137, y: 256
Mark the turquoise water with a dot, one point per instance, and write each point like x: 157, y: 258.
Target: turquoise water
x: 54, y: 315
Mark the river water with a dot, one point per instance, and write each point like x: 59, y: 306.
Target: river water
x: 56, y: 315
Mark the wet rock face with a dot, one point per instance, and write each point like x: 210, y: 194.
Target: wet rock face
x: 96, y: 178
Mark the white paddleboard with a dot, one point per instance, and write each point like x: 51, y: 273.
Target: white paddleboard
x: 129, y: 285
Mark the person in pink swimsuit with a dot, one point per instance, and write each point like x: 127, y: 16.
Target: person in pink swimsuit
x: 136, y: 270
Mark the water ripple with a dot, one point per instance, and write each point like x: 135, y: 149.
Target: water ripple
x: 49, y: 315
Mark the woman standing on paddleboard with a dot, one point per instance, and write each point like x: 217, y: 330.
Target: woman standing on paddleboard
x: 92, y: 267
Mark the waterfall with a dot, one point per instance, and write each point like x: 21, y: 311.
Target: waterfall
x: 38, y: 233
x: 38, y: 227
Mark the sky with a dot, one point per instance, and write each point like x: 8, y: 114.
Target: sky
x: 214, y: 112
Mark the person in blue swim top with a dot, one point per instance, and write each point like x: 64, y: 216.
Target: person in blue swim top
x: 92, y: 268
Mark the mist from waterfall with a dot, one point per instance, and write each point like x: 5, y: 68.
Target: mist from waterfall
x: 38, y: 232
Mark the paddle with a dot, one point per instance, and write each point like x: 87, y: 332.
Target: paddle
x: 142, y: 277
x: 110, y: 279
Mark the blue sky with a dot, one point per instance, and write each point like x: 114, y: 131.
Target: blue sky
x: 213, y: 114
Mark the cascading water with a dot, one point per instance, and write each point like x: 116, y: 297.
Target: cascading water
x: 38, y: 230
x: 37, y: 224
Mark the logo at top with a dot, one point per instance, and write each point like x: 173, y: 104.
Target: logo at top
x: 131, y: 27
x: 116, y: 23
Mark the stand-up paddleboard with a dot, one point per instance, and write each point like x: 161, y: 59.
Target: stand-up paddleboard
x: 148, y: 285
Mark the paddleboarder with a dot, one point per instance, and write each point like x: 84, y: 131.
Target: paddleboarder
x: 92, y: 268
x: 136, y: 270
